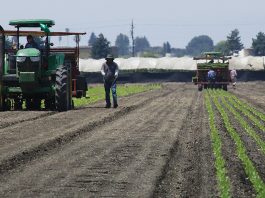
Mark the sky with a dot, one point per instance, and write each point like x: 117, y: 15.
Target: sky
x: 175, y: 21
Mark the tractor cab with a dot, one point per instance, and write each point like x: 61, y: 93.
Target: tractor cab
x: 215, y: 61
x: 36, y: 72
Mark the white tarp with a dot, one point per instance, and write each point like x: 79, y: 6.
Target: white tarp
x: 172, y: 63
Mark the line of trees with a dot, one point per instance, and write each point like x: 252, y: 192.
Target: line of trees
x: 100, y: 46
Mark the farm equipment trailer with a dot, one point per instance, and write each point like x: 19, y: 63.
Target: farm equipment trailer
x: 31, y: 75
x: 217, y: 62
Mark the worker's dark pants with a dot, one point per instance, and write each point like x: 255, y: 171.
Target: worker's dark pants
x: 110, y: 86
x: 211, y: 83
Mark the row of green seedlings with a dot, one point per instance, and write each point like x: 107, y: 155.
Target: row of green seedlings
x: 240, y: 119
x: 241, y: 151
x: 223, y: 181
x: 248, y: 107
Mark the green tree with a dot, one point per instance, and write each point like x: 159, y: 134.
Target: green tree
x: 258, y: 44
x: 199, y: 44
x: 166, y: 47
x: 92, y: 39
x: 141, y: 44
x: 234, y: 41
x: 222, y: 47
x: 178, y: 52
x: 122, y: 43
x: 100, y: 48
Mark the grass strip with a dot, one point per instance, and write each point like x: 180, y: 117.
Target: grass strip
x: 222, y: 178
x: 249, y: 168
x: 97, y: 93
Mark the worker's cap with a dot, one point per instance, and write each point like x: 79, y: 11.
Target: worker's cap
x: 109, y: 56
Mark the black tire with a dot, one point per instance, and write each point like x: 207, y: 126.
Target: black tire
x: 61, y: 89
x: 29, y: 104
x: 199, y: 88
x: 2, y: 104
x: 18, y: 104
x: 225, y: 87
x: 49, y: 104
x: 37, y: 104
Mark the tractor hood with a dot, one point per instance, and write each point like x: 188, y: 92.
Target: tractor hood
x: 28, y: 52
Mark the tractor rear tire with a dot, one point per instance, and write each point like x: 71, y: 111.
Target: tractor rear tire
x: 29, y: 104
x: 36, y: 104
x: 3, y: 105
x: 49, y: 104
x: 18, y: 104
x: 61, y: 88
x: 225, y: 87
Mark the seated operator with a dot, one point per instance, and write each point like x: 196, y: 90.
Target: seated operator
x: 31, y: 43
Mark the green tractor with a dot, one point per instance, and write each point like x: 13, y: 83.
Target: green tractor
x: 217, y: 62
x: 32, y: 75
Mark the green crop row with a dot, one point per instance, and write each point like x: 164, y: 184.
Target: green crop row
x: 247, y: 106
x: 249, y: 168
x: 247, y: 113
x: 222, y: 178
x: 243, y: 123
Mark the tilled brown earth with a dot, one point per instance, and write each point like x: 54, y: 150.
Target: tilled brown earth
x: 252, y: 92
x: 155, y: 144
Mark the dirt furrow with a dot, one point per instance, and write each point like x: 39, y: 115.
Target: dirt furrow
x: 122, y: 159
x: 10, y: 118
x: 28, y: 140
x: 188, y: 172
x: 251, y: 94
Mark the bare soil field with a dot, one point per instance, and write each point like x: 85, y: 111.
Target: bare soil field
x: 155, y: 144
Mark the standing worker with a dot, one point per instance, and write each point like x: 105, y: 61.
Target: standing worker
x: 31, y: 43
x: 233, y: 75
x: 110, y: 71
x: 211, y: 78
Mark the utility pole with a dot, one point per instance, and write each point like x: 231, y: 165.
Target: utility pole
x: 67, y: 30
x: 132, y: 27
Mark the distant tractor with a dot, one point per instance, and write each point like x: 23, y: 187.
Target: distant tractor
x: 31, y: 75
x: 218, y: 63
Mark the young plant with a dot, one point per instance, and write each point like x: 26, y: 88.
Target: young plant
x: 222, y: 178
x: 249, y: 167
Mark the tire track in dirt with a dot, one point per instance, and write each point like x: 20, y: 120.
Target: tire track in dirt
x: 189, y: 171
x: 14, y: 155
x: 121, y: 159
x: 10, y: 118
